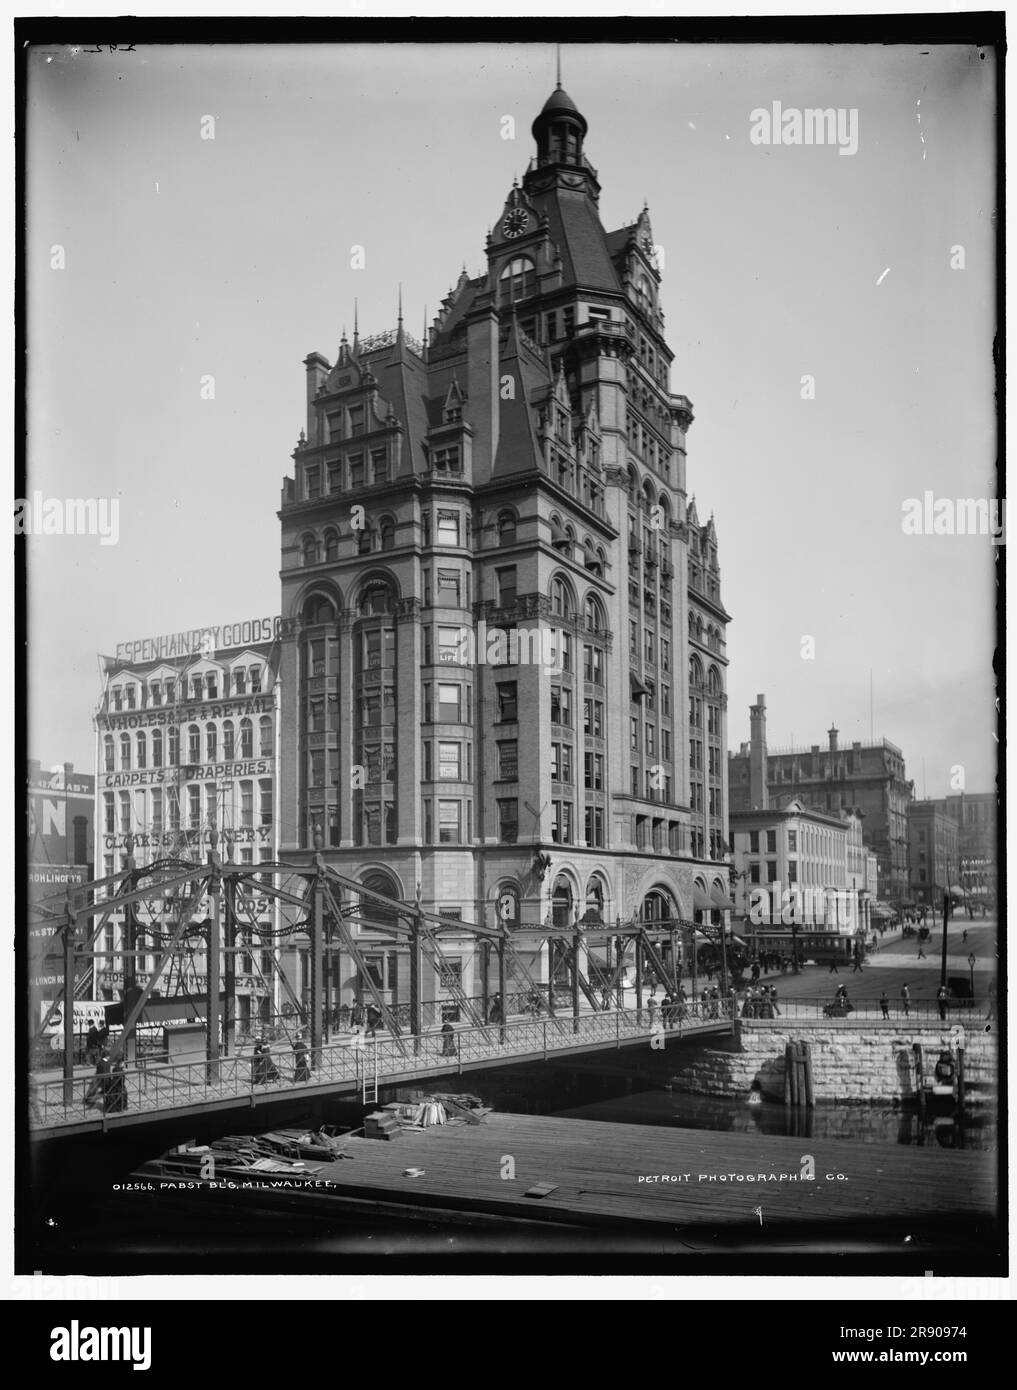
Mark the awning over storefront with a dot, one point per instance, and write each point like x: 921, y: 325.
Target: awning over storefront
x: 701, y: 899
x: 720, y: 899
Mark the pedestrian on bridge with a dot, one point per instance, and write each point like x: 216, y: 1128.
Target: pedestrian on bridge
x: 448, y: 1039
x: 884, y: 1004
x: 905, y: 999
x: 942, y: 995
x: 301, y: 1059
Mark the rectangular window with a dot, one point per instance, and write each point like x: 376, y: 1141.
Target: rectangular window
x: 753, y: 841
x: 771, y: 842
x: 506, y: 586
x: 317, y: 767
x: 561, y: 822
x: 508, y: 760
x: 448, y: 589
x: 594, y: 826
x: 246, y: 803
x: 792, y: 871
x: 193, y: 808
x: 650, y: 739
x: 665, y: 654
x: 771, y: 871
x: 450, y: 761
x: 633, y: 637
x: 634, y: 734
x: 593, y: 771
x: 449, y: 822
x: 449, y: 703
x: 448, y: 528
x: 561, y: 706
x: 507, y: 704
x: 379, y: 466
x: 428, y: 822
x: 450, y: 645
x: 334, y: 427
x: 109, y: 812
x: 508, y: 821
x: 648, y: 646
x: 593, y: 665
x: 446, y: 460
x: 335, y: 475
x: 356, y: 419
x: 312, y: 481
x: 634, y: 781
x: 665, y: 745
x: 130, y: 697
x: 753, y: 873
x: 356, y: 470
x: 792, y: 841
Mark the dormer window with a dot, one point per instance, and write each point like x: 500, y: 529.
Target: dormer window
x: 517, y: 281
x: 446, y: 460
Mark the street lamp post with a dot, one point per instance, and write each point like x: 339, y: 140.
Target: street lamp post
x: 971, y: 972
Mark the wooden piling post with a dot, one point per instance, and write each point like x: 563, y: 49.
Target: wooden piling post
x: 810, y: 1096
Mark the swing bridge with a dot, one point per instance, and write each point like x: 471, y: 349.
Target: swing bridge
x: 598, y: 994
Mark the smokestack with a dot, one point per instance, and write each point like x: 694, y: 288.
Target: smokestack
x: 758, y: 795
x: 832, y: 732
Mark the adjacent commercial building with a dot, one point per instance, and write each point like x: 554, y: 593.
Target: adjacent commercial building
x: 61, y: 856
x: 186, y: 757
x: 799, y: 875
x: 976, y: 814
x: 935, y: 863
x: 503, y: 656
x: 870, y: 779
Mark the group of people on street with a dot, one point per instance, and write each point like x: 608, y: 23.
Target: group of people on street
x: 761, y: 1002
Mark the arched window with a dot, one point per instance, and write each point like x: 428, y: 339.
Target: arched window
x: 594, y: 915
x: 376, y: 916
x: 265, y: 737
x: 309, y: 550
x: 229, y: 750
x: 517, y: 281
x: 507, y: 905
x: 506, y: 528
x: 211, y: 743
x: 387, y: 533
x: 246, y: 739
x: 157, y: 748
x: 193, y: 743
x: 696, y: 673
x: 173, y: 746
x: 318, y: 610
x: 375, y: 599
x: 331, y: 545
x: 633, y: 483
x: 142, y: 750
x: 593, y: 613
x: 108, y: 752
x: 561, y: 903
x: 365, y: 540
x: 561, y: 599
x: 713, y: 681
x: 125, y: 751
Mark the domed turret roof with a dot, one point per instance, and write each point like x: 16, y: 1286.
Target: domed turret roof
x: 559, y: 103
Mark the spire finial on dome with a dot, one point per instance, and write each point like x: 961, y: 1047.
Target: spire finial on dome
x: 356, y: 326
x: 558, y: 65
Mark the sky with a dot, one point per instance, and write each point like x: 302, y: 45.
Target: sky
x: 186, y: 258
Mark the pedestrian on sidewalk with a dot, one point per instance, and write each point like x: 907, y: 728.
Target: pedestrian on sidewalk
x: 857, y: 968
x: 921, y: 953
x: 833, y: 970
x: 942, y: 995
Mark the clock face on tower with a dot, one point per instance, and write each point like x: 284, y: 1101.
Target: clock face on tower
x: 516, y: 222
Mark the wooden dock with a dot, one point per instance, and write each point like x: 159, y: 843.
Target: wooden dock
x: 595, y: 1175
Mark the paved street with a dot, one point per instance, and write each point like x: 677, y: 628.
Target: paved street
x: 897, y: 963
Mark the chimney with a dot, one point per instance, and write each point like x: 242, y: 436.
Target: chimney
x: 758, y: 795
x: 832, y: 732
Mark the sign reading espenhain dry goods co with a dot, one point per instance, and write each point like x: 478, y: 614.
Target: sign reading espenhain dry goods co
x: 199, y: 641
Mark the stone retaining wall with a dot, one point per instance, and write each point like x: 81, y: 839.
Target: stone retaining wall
x: 850, y: 1060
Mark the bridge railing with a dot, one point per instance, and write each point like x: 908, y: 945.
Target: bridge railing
x: 866, y: 1009
x: 155, y: 1087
